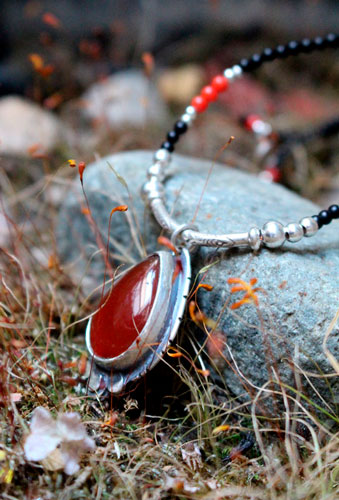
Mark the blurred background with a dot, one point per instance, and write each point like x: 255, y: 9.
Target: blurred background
x: 82, y: 78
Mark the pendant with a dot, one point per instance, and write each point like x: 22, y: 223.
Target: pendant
x: 137, y: 320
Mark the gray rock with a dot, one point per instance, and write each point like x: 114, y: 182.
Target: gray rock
x: 123, y: 99
x: 24, y: 124
x: 300, y: 281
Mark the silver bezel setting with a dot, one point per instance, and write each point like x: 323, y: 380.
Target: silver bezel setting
x: 160, y: 329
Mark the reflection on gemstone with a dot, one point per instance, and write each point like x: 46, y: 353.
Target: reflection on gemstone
x: 125, y: 309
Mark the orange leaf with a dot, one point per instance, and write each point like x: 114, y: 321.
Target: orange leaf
x: 72, y: 163
x: 111, y: 421
x: 81, y: 168
x: 148, y: 61
x: 120, y: 208
x: 174, y: 353
x: 162, y: 240
x: 82, y: 363
x: 37, y: 61
x: 51, y: 20
x: 205, y: 286
x: 205, y: 373
x: 220, y: 428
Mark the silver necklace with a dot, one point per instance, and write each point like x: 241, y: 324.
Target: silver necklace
x: 140, y: 316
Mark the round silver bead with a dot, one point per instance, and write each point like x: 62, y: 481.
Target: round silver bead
x: 309, y: 225
x: 254, y: 238
x: 156, y: 170
x: 228, y: 73
x: 294, y: 232
x: 237, y: 71
x: 162, y: 156
x: 152, y: 189
x: 191, y: 111
x: 273, y: 234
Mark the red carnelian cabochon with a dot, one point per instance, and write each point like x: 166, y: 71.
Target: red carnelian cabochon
x: 117, y: 324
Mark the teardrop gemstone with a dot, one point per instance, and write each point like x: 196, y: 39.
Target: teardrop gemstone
x: 126, y: 308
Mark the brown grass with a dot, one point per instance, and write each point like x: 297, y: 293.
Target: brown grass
x: 173, y: 453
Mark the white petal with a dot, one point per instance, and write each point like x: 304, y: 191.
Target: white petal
x: 39, y: 446
x: 70, y: 453
x: 70, y: 427
x: 71, y: 467
x: 42, y: 420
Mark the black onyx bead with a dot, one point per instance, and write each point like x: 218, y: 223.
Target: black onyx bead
x: 307, y: 45
x: 172, y: 137
x: 334, y: 211
x: 245, y: 64
x: 319, y: 42
x: 318, y: 221
x: 331, y: 40
x: 167, y: 145
x: 268, y: 54
x: 324, y: 217
x: 281, y: 51
x: 293, y: 47
x: 180, y: 127
x: 256, y: 61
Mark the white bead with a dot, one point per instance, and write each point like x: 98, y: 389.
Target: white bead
x: 190, y: 110
x: 152, y: 189
x: 228, y: 73
x: 310, y: 226
x: 188, y: 119
x: 163, y: 156
x: 237, y: 71
x: 294, y: 232
x: 254, y: 238
x: 273, y: 234
x: 261, y: 128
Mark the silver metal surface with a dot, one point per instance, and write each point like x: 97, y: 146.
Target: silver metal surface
x: 160, y: 329
x: 310, y: 226
x: 162, y: 216
x: 294, y: 232
x: 152, y: 189
x: 273, y: 234
x: 254, y: 238
x: 156, y: 170
x: 163, y: 156
x: 178, y: 232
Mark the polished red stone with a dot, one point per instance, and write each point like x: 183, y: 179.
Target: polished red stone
x: 117, y: 324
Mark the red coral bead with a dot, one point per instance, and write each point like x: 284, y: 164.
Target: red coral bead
x: 220, y: 83
x: 199, y: 103
x: 274, y: 173
x: 125, y: 309
x: 250, y: 120
x: 209, y: 93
